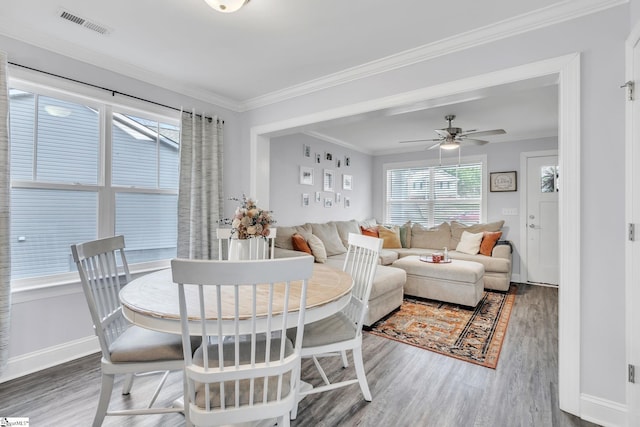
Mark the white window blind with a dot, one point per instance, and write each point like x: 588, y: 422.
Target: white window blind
x: 60, y: 194
x: 430, y: 195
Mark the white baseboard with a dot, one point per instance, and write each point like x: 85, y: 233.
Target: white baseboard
x: 51, y: 356
x: 515, y: 278
x: 602, y: 412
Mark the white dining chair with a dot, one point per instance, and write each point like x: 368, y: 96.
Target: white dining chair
x: 126, y: 349
x: 249, y: 370
x: 336, y: 334
x: 256, y: 248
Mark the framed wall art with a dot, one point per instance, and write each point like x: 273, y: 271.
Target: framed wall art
x: 328, y: 180
x: 503, y: 181
x: 306, y: 175
x: 306, y: 150
x: 347, y: 182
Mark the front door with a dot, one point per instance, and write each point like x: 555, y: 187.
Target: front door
x: 542, y: 220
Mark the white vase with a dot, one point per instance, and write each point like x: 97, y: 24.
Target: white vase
x: 245, y: 249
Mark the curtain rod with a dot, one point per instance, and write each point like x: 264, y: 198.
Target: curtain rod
x: 113, y: 92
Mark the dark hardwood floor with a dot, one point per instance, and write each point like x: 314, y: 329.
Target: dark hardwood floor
x: 410, y: 386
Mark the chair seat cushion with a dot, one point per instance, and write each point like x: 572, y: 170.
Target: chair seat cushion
x: 244, y: 384
x: 138, y: 344
x: 336, y: 328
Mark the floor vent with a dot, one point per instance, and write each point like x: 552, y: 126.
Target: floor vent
x: 101, y: 29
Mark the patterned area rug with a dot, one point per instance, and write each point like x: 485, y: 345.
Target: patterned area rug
x: 473, y: 335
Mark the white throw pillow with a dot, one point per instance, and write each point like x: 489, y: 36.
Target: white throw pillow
x: 317, y: 248
x: 470, y: 243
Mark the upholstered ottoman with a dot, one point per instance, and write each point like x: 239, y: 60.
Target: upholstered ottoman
x: 458, y: 282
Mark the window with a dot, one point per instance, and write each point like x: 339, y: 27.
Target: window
x: 430, y: 195
x: 74, y: 179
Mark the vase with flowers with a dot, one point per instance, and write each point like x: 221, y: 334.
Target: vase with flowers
x: 249, y: 229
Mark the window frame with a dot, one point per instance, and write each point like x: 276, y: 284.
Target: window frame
x: 55, y: 87
x: 428, y: 163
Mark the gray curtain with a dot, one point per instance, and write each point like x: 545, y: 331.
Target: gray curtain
x: 5, y: 248
x: 200, y: 195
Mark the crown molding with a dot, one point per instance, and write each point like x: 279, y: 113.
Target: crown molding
x: 544, y: 17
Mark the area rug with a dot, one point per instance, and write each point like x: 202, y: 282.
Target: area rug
x: 471, y: 334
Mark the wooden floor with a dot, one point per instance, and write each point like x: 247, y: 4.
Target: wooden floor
x: 410, y: 386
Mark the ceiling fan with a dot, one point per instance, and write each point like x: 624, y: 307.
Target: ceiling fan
x: 451, y: 137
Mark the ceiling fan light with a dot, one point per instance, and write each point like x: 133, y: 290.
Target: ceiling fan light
x: 450, y: 145
x: 226, y: 6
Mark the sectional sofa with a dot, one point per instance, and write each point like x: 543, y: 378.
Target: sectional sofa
x: 328, y: 244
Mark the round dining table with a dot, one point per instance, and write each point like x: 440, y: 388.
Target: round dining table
x: 151, y: 301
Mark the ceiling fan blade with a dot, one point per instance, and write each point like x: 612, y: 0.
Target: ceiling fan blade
x: 484, y: 133
x: 419, y: 140
x: 443, y: 132
x: 472, y: 141
x: 434, y: 146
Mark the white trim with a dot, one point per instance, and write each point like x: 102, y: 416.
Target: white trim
x: 480, y: 158
x: 567, y: 68
x: 569, y: 295
x: 51, y: 356
x: 602, y: 412
x: 524, y: 156
x: 631, y: 216
x: 336, y: 141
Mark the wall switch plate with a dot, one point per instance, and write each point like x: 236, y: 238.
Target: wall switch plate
x: 509, y: 211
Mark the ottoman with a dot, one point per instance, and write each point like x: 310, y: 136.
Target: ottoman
x: 457, y: 282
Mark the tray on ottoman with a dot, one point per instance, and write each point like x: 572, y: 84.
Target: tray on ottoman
x: 457, y: 282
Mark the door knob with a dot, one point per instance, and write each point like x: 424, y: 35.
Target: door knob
x: 532, y: 226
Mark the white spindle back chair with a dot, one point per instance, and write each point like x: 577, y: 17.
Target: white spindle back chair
x: 334, y: 335
x: 126, y: 348
x: 250, y: 370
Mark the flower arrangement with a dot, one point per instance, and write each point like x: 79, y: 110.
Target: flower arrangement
x: 249, y: 220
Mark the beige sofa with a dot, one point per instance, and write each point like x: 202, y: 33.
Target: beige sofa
x: 387, y: 291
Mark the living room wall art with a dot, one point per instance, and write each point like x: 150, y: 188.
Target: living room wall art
x: 306, y: 175
x: 346, y: 182
x: 306, y: 150
x: 347, y: 202
x: 328, y: 180
x: 503, y: 181
x: 305, y: 200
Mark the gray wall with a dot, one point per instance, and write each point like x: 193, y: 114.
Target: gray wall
x: 286, y: 190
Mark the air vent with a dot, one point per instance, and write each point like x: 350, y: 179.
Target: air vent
x: 93, y: 26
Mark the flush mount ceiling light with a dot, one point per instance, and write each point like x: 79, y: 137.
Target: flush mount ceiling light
x: 226, y: 6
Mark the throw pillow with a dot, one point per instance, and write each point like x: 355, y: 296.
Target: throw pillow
x: 457, y: 228
x: 317, y: 249
x: 370, y: 231
x: 431, y: 238
x: 328, y: 233
x: 300, y: 244
x: 489, y: 240
x: 283, y: 235
x: 390, y: 237
x: 368, y: 223
x: 469, y: 243
x: 405, y: 234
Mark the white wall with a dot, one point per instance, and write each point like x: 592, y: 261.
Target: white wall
x: 600, y: 40
x: 286, y: 190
